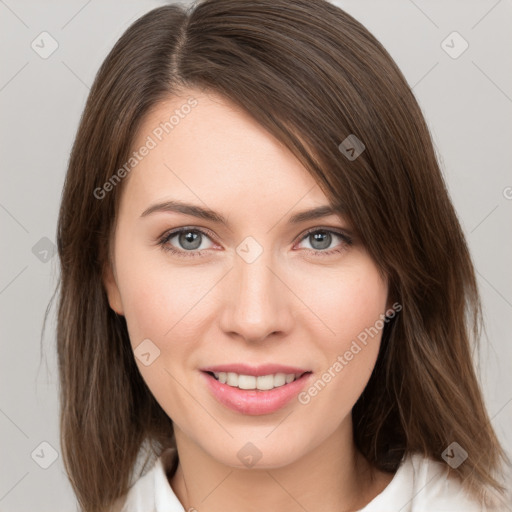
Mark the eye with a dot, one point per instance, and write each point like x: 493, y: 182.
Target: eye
x: 321, y: 239
x: 189, y: 241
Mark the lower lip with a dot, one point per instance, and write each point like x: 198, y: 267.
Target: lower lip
x: 253, y: 401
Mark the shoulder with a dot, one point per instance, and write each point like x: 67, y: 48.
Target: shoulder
x: 141, y: 495
x: 152, y: 491
x: 435, y: 485
x: 422, y: 484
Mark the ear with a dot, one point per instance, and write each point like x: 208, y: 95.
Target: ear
x: 110, y: 283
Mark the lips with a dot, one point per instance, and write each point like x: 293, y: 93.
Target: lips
x: 255, y: 402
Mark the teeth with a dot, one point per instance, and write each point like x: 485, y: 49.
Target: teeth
x: 263, y: 382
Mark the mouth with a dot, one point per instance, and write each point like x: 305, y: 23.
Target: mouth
x: 255, y: 395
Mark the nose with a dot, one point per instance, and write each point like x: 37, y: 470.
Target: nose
x: 257, y: 302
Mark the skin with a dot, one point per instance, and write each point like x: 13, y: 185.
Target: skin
x: 292, y: 305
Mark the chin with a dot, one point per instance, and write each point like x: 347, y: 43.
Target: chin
x: 257, y: 454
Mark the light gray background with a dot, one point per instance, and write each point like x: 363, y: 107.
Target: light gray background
x: 467, y: 102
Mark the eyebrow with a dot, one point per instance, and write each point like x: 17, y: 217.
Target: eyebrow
x: 207, y: 214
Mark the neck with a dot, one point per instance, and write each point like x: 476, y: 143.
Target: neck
x: 331, y: 476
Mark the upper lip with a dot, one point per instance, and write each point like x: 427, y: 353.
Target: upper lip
x: 256, y: 371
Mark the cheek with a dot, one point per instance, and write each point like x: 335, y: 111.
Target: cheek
x: 162, y: 305
x: 148, y: 311
x: 344, y: 304
x: 352, y: 312
x: 159, y: 299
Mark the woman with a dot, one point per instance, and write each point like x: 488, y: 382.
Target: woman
x: 310, y: 350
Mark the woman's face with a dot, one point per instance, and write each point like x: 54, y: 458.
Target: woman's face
x: 254, y: 290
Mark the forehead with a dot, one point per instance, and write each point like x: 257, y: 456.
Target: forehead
x: 205, y: 149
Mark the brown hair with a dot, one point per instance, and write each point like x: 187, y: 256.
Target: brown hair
x: 311, y: 75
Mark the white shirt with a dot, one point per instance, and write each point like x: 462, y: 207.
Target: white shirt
x: 419, y: 485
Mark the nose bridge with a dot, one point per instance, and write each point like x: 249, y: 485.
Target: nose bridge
x: 258, y: 303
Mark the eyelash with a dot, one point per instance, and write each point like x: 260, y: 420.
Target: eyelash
x: 164, y: 241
